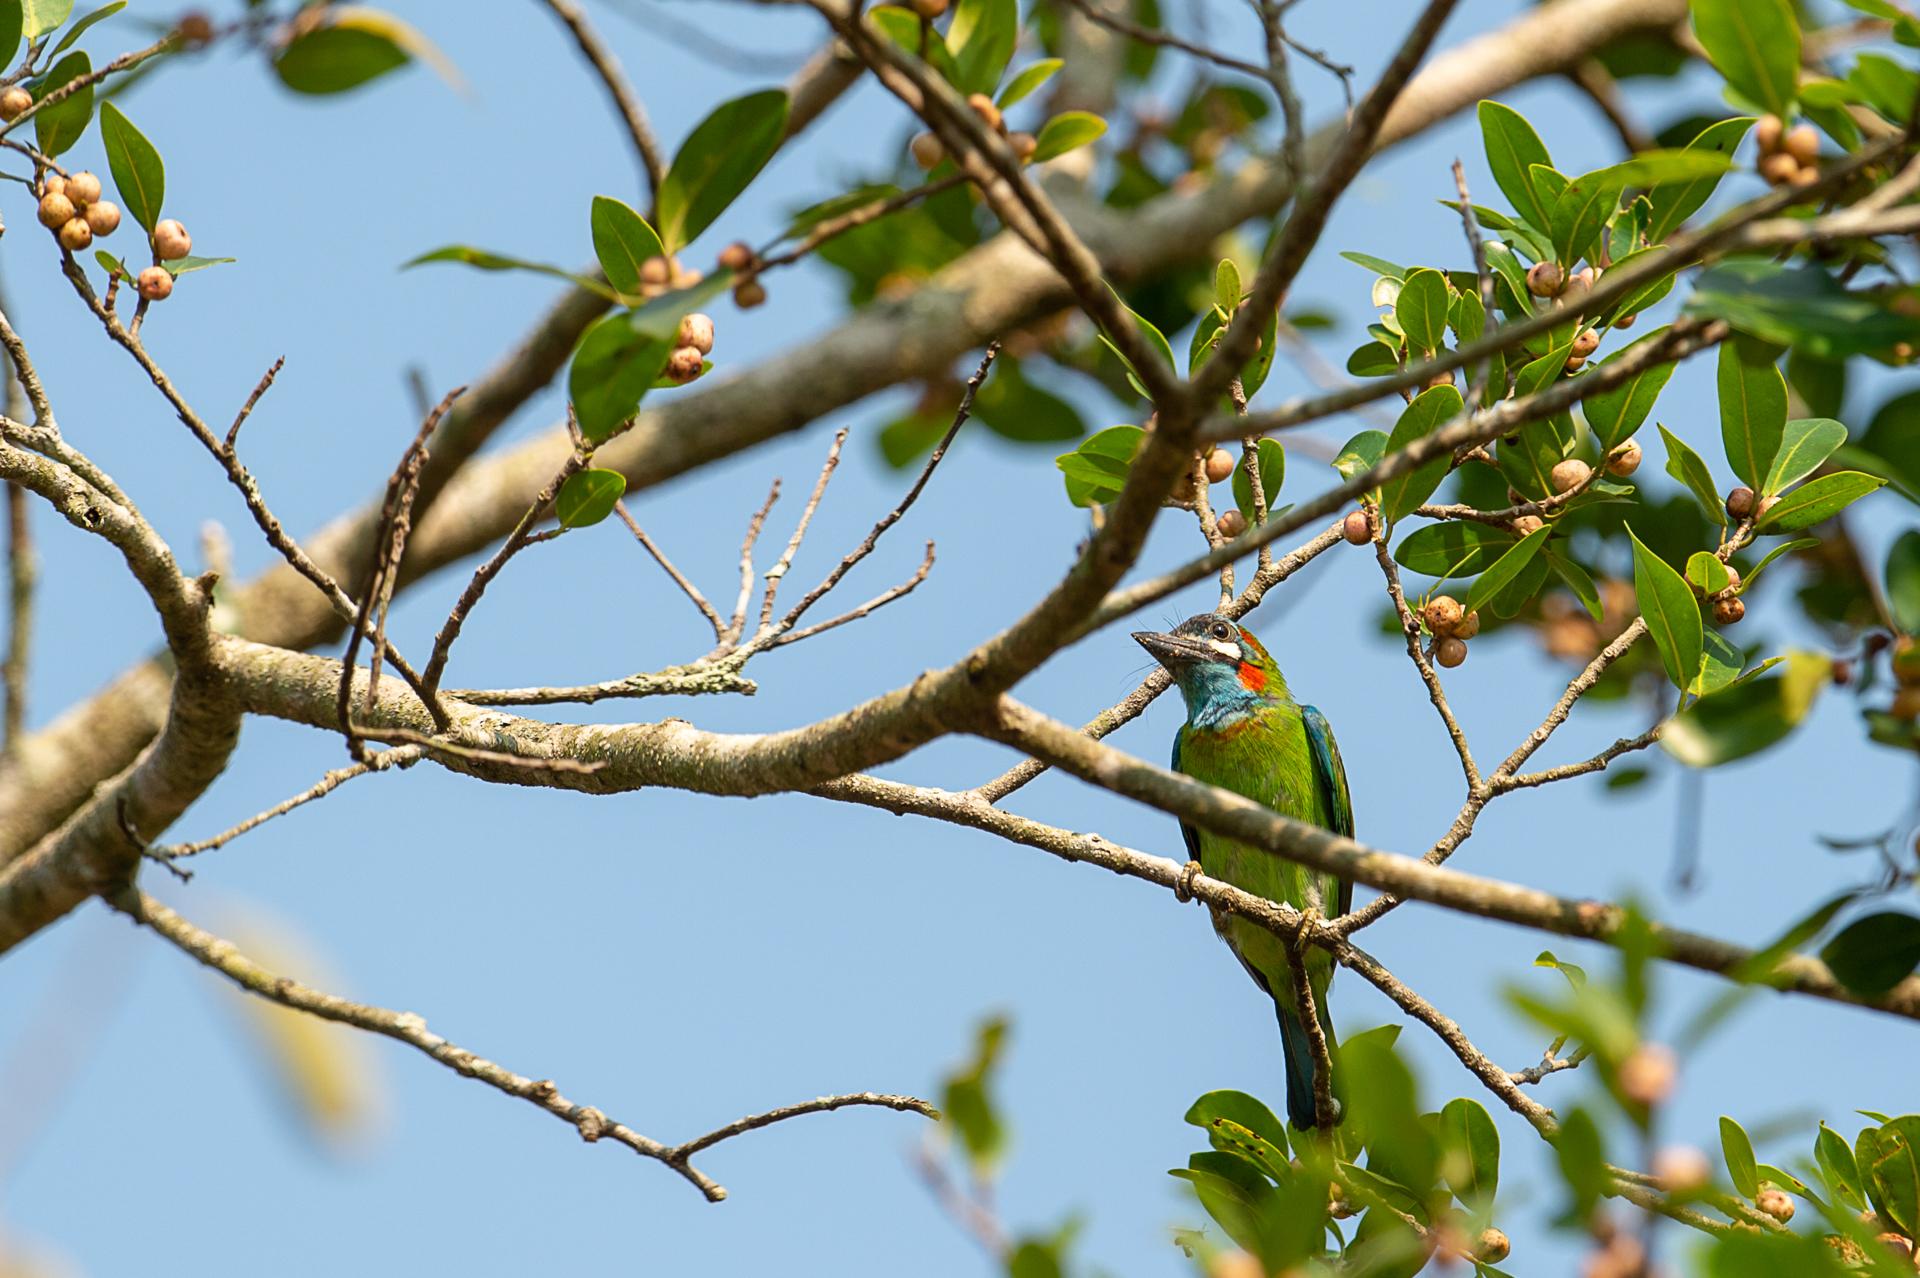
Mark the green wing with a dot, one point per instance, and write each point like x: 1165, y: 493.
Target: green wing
x: 1187, y: 831
x: 1331, y: 773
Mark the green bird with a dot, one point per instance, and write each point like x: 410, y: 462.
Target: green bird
x: 1245, y: 732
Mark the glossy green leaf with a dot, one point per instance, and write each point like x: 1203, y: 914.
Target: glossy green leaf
x: 1580, y: 211
x: 1206, y: 339
x: 614, y: 366
x: 179, y: 266
x: 622, y: 241
x: 59, y: 126
x: 1371, y: 359
x: 1513, y: 148
x: 1835, y: 1158
x: 1615, y: 414
x: 1747, y: 717
x: 1706, y: 573
x: 1801, y: 306
x: 1472, y: 1144
x: 337, y: 57
x: 1510, y: 280
x: 1432, y: 409
x: 1506, y: 569
x: 981, y: 36
x: 1527, y: 457
x: 1755, y: 44
x: 1753, y: 412
x: 485, y: 260
x: 1068, y: 131
x: 1030, y: 78
x: 81, y: 27
x: 713, y: 166
x: 1378, y: 265
x: 1805, y: 443
x: 588, y: 496
x: 1641, y: 296
x: 138, y: 173
x: 12, y: 17
x: 1690, y: 469
x: 1672, y: 614
x: 1817, y: 500
x: 1226, y: 286
x: 1871, y: 955
x: 1096, y: 471
x: 1738, y: 1149
x: 1580, y: 581
x: 1273, y: 473
x: 1361, y: 453
x: 42, y: 16
x: 1720, y: 664
x: 1675, y: 203
x: 1895, y: 1172
x: 1784, y: 548
x: 1452, y: 549
x: 1422, y: 310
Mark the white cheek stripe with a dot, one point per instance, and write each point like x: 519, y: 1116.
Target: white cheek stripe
x: 1225, y: 647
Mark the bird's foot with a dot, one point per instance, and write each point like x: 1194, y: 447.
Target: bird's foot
x: 1183, y: 886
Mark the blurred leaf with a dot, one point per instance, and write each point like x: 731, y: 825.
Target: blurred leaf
x: 138, y: 173
x: 486, y: 260
x: 1906, y: 28
x: 1871, y: 955
x: 1747, y: 717
x: 588, y: 496
x: 622, y: 241
x: 982, y: 36
x: 1383, y: 1108
x: 1506, y: 569
x: 1615, y: 414
x: 42, y: 16
x: 1805, y: 445
x: 1582, y: 1162
x: 1755, y: 44
x: 1013, y: 407
x: 1473, y: 1152
x: 1154, y: 338
x: 1820, y: 383
x: 338, y: 56
x: 1835, y: 1157
x: 966, y: 1103
x: 1671, y: 612
x: 1030, y: 78
x: 1753, y: 412
x: 59, y: 126
x: 904, y: 28
x: 1421, y: 310
x: 1801, y: 306
x: 1903, y: 580
x: 1674, y: 204
x: 1273, y: 473
x: 1817, y: 500
x: 1578, y: 580
x: 1433, y: 408
x: 1232, y: 1192
x: 12, y: 17
x: 713, y: 166
x: 1452, y: 549
x: 1068, y: 131
x: 1753, y: 1254
x: 1739, y: 1155
x: 1513, y: 148
x: 1097, y: 470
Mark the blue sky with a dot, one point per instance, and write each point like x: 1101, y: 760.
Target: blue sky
x: 680, y: 961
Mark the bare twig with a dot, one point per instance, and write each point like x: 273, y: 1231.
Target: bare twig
x: 645, y: 145
x: 1410, y: 631
x: 819, y: 1105
x: 773, y: 575
x: 1476, y: 382
x: 737, y: 624
x: 246, y: 409
x: 399, y: 757
x: 679, y: 579
x: 22, y: 570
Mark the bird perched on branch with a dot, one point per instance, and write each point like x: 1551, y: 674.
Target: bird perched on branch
x: 1244, y: 732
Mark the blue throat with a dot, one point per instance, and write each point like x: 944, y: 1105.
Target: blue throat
x: 1216, y: 698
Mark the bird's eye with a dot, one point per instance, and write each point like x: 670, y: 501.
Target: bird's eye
x: 1220, y: 630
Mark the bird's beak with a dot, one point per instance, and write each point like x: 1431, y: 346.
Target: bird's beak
x: 1175, y: 652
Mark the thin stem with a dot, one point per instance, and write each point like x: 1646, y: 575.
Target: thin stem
x: 646, y: 146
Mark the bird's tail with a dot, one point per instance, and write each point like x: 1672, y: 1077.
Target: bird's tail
x: 1301, y: 1067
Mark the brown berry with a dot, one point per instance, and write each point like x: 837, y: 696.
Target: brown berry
x: 1469, y: 626
x: 1356, y: 528
x: 14, y: 103
x: 1728, y: 611
x: 1802, y: 143
x: 748, y: 294
x: 1440, y: 379
x: 1624, y: 460
x: 1492, y: 1247
x: 1527, y: 525
x: 1905, y: 660
x: 1906, y: 704
x: 1575, y: 363
x: 170, y: 240
x: 1220, y: 465
x: 1586, y: 343
x: 1545, y: 279
x: 1779, y: 168
x: 1775, y: 1203
x: 83, y: 188
x: 1740, y: 502
x: 194, y: 29
x: 1681, y: 1169
x: 56, y: 210
x: 984, y: 108
x: 1231, y: 523
x: 76, y: 235
x: 1898, y: 1244
x: 736, y: 257
x: 684, y: 364
x: 927, y: 151
x: 1805, y: 175
x: 1768, y: 133
x: 53, y: 184
x: 1582, y: 279
x: 103, y: 217
x: 655, y: 271
x: 1442, y: 614
x: 1024, y: 145
x: 1570, y: 474
x: 1647, y: 1075
x: 696, y: 330
x: 1626, y: 321
x: 684, y: 276
x: 929, y: 9
x: 1733, y: 580
x: 1450, y: 652
x: 155, y: 284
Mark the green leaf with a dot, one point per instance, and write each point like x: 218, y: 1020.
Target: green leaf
x: 1800, y: 306
x: 1821, y: 384
x: 1903, y: 581
x: 1817, y: 500
x: 1206, y: 339
x: 588, y: 496
x: 1755, y: 44
x: 1580, y: 581
x: 179, y: 266
x: 1273, y: 473
x: 1804, y: 445
x: 1671, y: 612
x: 1068, y: 131
x: 1097, y: 470
x: 622, y: 241
x: 79, y: 28
x: 337, y: 57
x: 1616, y: 414
x: 614, y: 367
x: 1226, y: 286
x: 1739, y: 1154
x: 138, y: 173
x: 1871, y: 955
x: 1378, y: 265
x: 1720, y: 664
x: 1528, y: 457
x: 485, y: 260
x: 1513, y: 148
x: 1421, y: 310
x: 1895, y: 1172
x: 1154, y: 338
x: 1371, y: 359
x: 982, y: 36
x: 1753, y: 412
x: 1835, y: 1157
x: 1472, y: 1158
x: 1675, y: 203
x: 1690, y: 469
x: 42, y: 16
x: 1504, y: 570
x: 1361, y: 453
x: 1582, y: 1160
x: 59, y: 126
x: 1029, y: 79
x: 1784, y: 548
x: 1581, y: 210
x: 11, y: 19
x: 720, y: 157
x: 904, y: 28
x: 1706, y: 572
x: 1426, y: 414
x: 1452, y: 549
x: 1641, y: 296
x: 1747, y: 717
x: 1576, y: 976
x: 1012, y: 407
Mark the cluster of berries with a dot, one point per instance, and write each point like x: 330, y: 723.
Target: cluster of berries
x: 928, y: 150
x: 1905, y: 663
x: 72, y: 209
x: 1219, y: 468
x: 1549, y: 280
x: 1788, y: 157
x: 1452, y: 625
x: 691, y: 346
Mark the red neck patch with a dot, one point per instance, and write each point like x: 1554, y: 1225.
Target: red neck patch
x: 1252, y: 677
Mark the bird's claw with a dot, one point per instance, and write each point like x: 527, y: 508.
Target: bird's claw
x: 1183, y: 886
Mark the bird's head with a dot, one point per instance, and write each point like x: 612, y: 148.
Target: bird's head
x: 1217, y: 663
